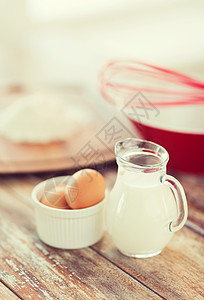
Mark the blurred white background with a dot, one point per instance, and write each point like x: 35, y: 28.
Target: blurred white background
x: 68, y: 41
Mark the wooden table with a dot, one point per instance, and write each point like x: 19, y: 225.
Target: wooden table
x: 32, y: 270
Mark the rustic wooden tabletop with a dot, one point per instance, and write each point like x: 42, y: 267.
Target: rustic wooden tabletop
x: 30, y: 269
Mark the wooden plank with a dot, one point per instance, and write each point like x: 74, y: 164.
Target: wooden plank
x: 168, y: 273
x: 5, y: 293
x: 36, y: 271
x: 194, y: 188
x: 177, y: 273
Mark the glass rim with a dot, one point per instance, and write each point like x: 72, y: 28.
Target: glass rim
x: 163, y: 160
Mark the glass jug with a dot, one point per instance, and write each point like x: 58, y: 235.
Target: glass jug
x: 145, y: 206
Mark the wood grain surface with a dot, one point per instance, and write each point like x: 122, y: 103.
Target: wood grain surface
x: 29, y: 269
x: 5, y: 293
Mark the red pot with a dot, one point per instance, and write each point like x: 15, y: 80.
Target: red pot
x: 186, y: 150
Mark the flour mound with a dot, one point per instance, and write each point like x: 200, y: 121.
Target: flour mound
x: 42, y: 118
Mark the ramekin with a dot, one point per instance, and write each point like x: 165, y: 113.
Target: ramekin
x: 67, y: 228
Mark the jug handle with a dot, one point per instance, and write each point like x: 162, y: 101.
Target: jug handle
x: 181, y: 203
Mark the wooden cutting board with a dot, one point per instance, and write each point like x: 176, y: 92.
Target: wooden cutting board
x: 77, y: 152
x: 21, y: 158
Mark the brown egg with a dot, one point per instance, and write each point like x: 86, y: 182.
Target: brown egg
x: 55, y: 198
x: 86, y: 188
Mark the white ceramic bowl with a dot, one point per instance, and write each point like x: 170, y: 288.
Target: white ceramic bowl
x: 67, y: 228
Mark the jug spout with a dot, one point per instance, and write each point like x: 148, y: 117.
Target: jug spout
x: 140, y: 156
